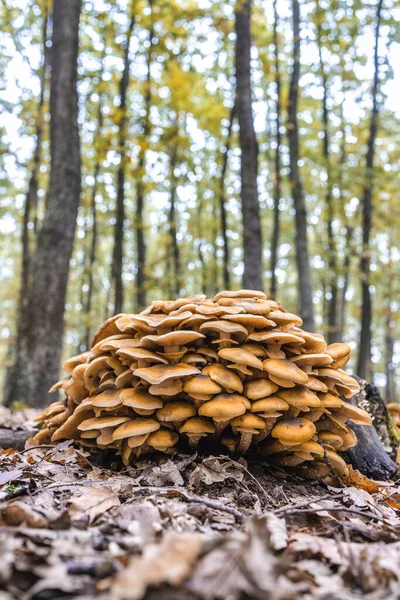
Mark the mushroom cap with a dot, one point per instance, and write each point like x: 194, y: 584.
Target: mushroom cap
x: 136, y: 426
x: 313, y: 342
x: 173, y: 338
x: 159, y: 373
x: 70, y: 364
x: 224, y: 407
x: 339, y: 376
x: 285, y: 369
x: 249, y: 320
x: 355, y: 414
x: 234, y: 329
x: 316, y: 385
x: 300, y: 397
x: 140, y: 398
x: 240, y: 356
x: 107, y: 329
x: 209, y: 352
x: 142, y: 354
x: 176, y: 410
x: 328, y: 400
x: 224, y: 377
x: 162, y: 439
x: 192, y: 358
x: 197, y: 426
x: 137, y: 440
x: 272, y: 404
x: 338, y: 350
x: 255, y: 349
x: 248, y: 422
x: 201, y: 384
x: 315, y: 360
x: 328, y: 438
x: 100, y: 422
x: 393, y: 408
x: 285, y: 318
x: 260, y: 388
x: 240, y: 294
x: 107, y: 399
x: 294, y: 431
x: 277, y: 337
x: 118, y: 343
x: 310, y: 448
x: 337, y: 463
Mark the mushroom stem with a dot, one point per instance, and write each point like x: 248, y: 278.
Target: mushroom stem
x: 220, y: 426
x: 265, y: 432
x: 245, y: 441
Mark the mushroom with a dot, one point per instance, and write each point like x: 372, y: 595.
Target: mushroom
x: 300, y: 399
x: 284, y: 370
x: 140, y: 400
x: 195, y: 428
x: 340, y: 354
x: 240, y: 357
x: 224, y: 377
x: 224, y: 407
x: 228, y: 333
x: 260, y: 388
x: 162, y: 439
x: 293, y: 431
x: 247, y: 425
x: 201, y: 388
x: 175, y: 412
x: 136, y: 426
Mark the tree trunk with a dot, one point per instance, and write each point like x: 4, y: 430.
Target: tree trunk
x: 277, y: 158
x: 141, y: 292
x: 364, y: 356
x: 222, y: 200
x: 332, y: 305
x: 252, y: 240
x: 301, y: 241
x: 44, y: 311
x: 390, y: 325
x: 176, y: 259
x: 118, y: 253
x: 31, y: 202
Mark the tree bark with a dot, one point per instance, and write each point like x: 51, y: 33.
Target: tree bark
x: 42, y: 340
x: 141, y: 291
x: 369, y: 456
x: 31, y: 203
x: 118, y: 252
x: 222, y: 202
x: 252, y: 239
x: 301, y: 241
x: 332, y: 305
x: 172, y: 228
x: 364, y: 356
x: 277, y: 157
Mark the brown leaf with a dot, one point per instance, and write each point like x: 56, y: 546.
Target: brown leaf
x: 94, y: 501
x: 213, y: 471
x: 18, y: 513
x: 170, y: 562
x: 165, y: 474
x: 361, y: 482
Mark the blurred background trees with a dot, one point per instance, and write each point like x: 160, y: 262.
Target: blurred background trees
x: 222, y: 144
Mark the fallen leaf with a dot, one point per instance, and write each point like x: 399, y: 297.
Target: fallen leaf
x: 360, y: 481
x: 94, y: 501
x: 169, y: 562
x: 165, y: 474
x: 277, y: 530
x: 18, y: 513
x: 8, y: 476
x: 213, y: 471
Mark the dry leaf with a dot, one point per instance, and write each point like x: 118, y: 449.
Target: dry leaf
x: 213, y: 471
x: 361, y: 482
x: 8, y: 476
x: 18, y: 513
x: 169, y: 562
x: 94, y: 501
x: 165, y: 474
x: 277, y: 530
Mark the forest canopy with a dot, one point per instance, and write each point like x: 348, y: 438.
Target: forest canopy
x: 208, y: 160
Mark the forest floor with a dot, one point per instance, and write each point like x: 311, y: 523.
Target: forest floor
x: 74, y: 525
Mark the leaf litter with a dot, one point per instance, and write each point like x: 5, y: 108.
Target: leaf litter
x: 74, y: 525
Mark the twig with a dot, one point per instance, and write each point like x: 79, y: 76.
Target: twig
x: 168, y: 492
x: 337, y: 509
x: 36, y: 447
x: 331, y: 468
x: 307, y: 502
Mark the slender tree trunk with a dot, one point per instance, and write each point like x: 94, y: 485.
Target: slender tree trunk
x: 118, y: 252
x: 277, y: 158
x: 141, y: 291
x: 390, y: 324
x: 222, y: 201
x: 30, y: 210
x: 42, y: 341
x: 200, y: 251
x: 301, y: 240
x: 364, y: 356
x: 332, y: 305
x: 176, y: 259
x: 346, y: 281
x: 252, y: 239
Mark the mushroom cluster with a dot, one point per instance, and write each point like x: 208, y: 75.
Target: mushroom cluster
x: 237, y: 370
